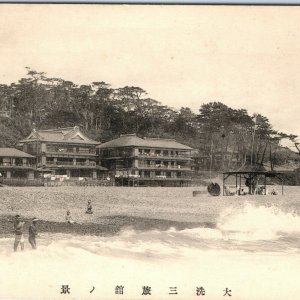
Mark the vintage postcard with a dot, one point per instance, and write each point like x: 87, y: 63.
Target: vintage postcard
x: 149, y: 152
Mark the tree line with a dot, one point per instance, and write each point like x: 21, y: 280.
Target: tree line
x: 223, y: 137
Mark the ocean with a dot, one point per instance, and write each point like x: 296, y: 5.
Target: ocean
x: 250, y: 252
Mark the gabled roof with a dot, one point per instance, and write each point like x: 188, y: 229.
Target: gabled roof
x: 65, y: 135
x: 131, y: 140
x: 12, y: 152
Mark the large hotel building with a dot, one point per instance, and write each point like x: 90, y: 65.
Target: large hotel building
x: 128, y: 160
x: 146, y: 161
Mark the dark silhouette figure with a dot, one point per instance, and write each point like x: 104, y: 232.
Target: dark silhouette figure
x: 89, y: 209
x: 33, y: 233
x: 18, y: 229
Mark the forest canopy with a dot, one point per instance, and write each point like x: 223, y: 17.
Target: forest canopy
x: 223, y: 137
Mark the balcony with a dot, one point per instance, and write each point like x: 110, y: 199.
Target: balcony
x: 16, y: 166
x: 162, y: 156
x: 116, y: 155
x: 80, y: 163
x: 164, y: 167
x: 70, y: 164
x: 69, y: 152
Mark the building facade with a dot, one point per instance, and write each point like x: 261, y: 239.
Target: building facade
x: 16, y: 164
x: 146, y: 161
x: 63, y: 151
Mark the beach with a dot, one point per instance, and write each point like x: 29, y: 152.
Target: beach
x: 159, y: 237
x: 130, y: 205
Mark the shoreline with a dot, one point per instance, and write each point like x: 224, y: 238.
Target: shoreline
x: 116, y: 210
x: 104, y: 226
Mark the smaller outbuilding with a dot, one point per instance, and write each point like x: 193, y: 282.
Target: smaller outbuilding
x: 251, y: 182
x: 16, y: 164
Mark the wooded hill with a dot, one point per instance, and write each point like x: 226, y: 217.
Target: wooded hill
x: 225, y: 138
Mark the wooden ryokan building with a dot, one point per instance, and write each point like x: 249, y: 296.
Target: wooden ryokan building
x: 16, y: 164
x: 146, y: 161
x: 63, y: 151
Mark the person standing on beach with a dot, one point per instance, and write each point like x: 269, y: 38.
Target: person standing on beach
x: 89, y: 209
x: 32, y: 233
x: 69, y: 218
x: 18, y: 229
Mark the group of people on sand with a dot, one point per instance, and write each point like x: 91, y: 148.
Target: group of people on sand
x: 32, y: 231
x: 19, y: 229
x: 89, y: 210
x: 242, y: 191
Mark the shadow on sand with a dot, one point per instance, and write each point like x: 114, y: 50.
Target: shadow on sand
x: 104, y: 226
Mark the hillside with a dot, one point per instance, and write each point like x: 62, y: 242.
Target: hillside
x: 223, y: 137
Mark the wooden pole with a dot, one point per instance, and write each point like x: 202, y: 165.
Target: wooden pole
x: 223, y: 183
x: 211, y: 158
x: 252, y: 143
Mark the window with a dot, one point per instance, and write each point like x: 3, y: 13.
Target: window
x: 157, y: 152
x: 83, y: 150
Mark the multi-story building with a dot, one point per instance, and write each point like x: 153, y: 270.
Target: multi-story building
x: 16, y: 164
x: 63, y: 151
x: 146, y: 161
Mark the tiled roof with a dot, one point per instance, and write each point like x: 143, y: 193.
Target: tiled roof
x: 65, y: 135
x: 12, y: 152
x: 132, y: 140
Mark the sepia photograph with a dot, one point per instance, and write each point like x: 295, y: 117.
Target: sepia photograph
x: 149, y: 151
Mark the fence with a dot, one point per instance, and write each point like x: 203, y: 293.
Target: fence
x: 74, y: 182
x: 45, y: 182
x: 22, y: 182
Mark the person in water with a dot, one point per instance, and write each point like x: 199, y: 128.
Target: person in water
x: 18, y: 229
x: 69, y: 218
x: 89, y: 209
x: 33, y: 233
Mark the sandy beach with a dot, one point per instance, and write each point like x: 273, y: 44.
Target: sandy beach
x: 117, y: 208
x: 159, y: 237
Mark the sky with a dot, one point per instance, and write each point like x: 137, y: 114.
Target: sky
x: 244, y: 56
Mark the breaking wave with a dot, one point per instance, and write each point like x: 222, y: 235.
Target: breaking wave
x: 247, y: 246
